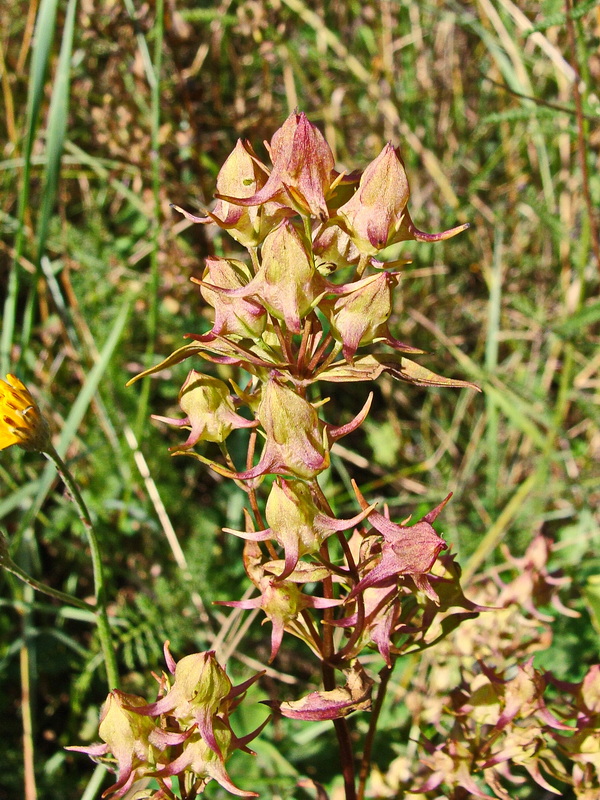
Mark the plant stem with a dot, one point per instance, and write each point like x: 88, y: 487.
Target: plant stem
x: 110, y: 661
x: 10, y: 566
x: 365, y: 762
x: 340, y: 725
x: 346, y: 757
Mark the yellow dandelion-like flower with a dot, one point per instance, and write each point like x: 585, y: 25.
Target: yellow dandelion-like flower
x: 21, y: 421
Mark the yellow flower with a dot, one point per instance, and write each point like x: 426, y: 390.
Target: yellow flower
x: 21, y: 421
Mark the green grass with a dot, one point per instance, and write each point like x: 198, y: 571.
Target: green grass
x: 111, y: 114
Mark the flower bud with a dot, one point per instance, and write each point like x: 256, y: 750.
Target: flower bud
x: 297, y: 524
x: 376, y: 215
x: 199, y: 692
x: 242, y: 175
x: 375, y: 211
x: 290, y: 510
x: 200, y: 682
x: 125, y: 732
x: 294, y: 443
x: 130, y: 738
x: 234, y: 315
x: 302, y: 170
x: 210, y: 411
x: 287, y: 283
x: 282, y: 602
x: 359, y: 314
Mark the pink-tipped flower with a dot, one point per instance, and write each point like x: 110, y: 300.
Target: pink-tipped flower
x: 376, y: 215
x: 242, y: 175
x: 296, y: 523
x: 234, y: 315
x: 406, y: 550
x: 282, y: 602
x: 302, y: 170
x: 209, y: 408
x: 185, y: 732
x: 360, y: 313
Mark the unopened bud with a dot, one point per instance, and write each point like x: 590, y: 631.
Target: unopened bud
x: 210, y: 410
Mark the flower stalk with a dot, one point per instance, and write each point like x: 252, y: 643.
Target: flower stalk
x: 23, y: 424
x: 104, y: 633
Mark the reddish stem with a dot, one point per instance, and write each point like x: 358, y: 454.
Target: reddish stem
x: 340, y: 725
x: 365, y: 762
x: 306, y: 337
x: 284, y: 342
x: 312, y: 364
x: 342, y: 654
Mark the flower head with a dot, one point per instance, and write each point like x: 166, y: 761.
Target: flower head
x: 376, y: 214
x: 302, y: 172
x: 296, y: 523
x: 21, y: 421
x: 210, y: 410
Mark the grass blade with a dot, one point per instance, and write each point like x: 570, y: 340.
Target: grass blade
x: 44, y: 35
x: 55, y: 137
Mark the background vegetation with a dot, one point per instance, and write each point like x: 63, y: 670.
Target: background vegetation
x: 113, y: 109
